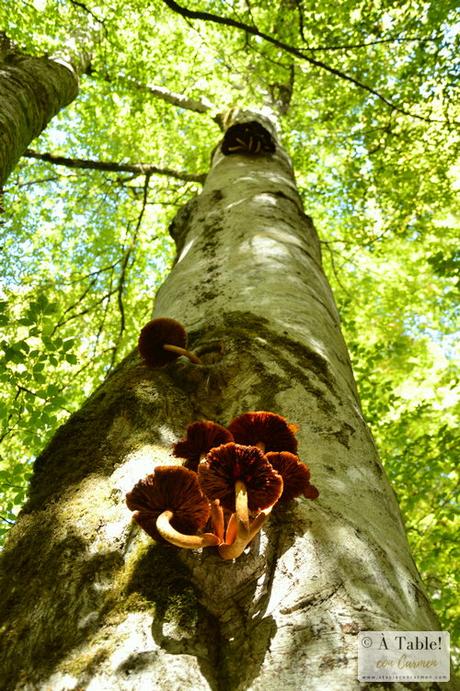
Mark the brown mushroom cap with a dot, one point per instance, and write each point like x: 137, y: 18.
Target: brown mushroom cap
x: 295, y: 474
x: 172, y: 488
x: 271, y: 429
x: 157, y: 333
x: 201, y: 437
x: 228, y: 463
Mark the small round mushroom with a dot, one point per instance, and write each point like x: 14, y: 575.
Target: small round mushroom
x: 201, y: 437
x: 295, y: 474
x: 267, y: 431
x: 243, y: 481
x: 169, y: 504
x: 162, y: 341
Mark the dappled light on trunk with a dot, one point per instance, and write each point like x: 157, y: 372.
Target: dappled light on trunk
x: 294, y: 581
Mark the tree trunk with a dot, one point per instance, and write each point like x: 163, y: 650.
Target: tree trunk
x: 32, y: 91
x: 89, y: 601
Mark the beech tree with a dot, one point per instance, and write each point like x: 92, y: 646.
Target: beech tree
x: 110, y: 606
x: 33, y: 90
x: 89, y: 600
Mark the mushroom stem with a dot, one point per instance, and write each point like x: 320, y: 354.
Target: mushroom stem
x: 260, y: 445
x: 217, y: 519
x: 182, y: 351
x: 237, y: 547
x: 167, y: 532
x: 241, y: 503
x: 232, y: 527
x: 244, y: 535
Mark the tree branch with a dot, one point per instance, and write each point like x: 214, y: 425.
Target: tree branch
x: 139, y: 168
x: 82, y: 6
x: 175, y: 99
x: 228, y: 21
x: 301, y: 22
x: 7, y: 520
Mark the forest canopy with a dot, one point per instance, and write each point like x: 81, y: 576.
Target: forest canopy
x: 366, y: 101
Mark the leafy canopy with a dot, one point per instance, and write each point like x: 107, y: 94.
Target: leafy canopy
x: 365, y: 95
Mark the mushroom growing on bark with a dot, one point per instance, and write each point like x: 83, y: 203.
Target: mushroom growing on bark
x: 170, y: 504
x: 267, y: 431
x: 295, y: 474
x: 248, y: 138
x: 162, y: 341
x: 201, y: 437
x: 245, y: 483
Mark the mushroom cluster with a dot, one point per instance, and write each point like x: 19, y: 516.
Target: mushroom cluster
x: 248, y: 138
x: 230, y: 480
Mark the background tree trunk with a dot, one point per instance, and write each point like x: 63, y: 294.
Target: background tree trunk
x: 88, y: 601
x: 32, y: 91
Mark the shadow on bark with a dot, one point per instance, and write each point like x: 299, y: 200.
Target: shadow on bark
x: 222, y: 631
x: 56, y: 602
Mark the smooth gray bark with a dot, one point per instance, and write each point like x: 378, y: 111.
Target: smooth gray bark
x: 88, y: 601
x: 32, y: 91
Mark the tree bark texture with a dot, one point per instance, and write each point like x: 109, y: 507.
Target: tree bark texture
x: 89, y: 601
x: 32, y: 91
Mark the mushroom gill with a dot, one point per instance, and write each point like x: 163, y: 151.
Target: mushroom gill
x: 243, y: 481
x: 169, y: 504
x: 267, y: 431
x: 295, y: 474
x: 201, y: 437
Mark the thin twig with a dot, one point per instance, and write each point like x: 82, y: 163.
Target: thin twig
x: 79, y: 300
x: 124, y: 267
x: 104, y: 315
x: 335, y: 272
x: 7, y: 520
x: 96, y: 272
x: 85, y: 311
x: 355, y: 46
